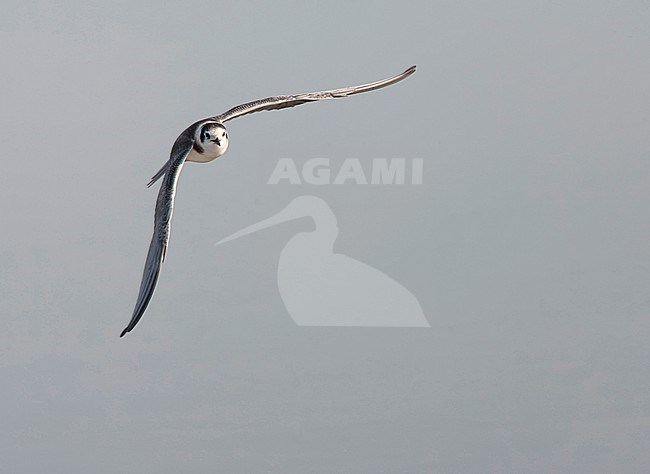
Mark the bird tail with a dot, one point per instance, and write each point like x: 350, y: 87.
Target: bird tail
x: 161, y: 172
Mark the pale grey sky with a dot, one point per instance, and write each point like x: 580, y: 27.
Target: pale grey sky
x: 526, y: 245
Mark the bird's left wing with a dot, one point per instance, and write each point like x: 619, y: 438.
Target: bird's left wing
x: 162, y: 227
x: 282, y: 101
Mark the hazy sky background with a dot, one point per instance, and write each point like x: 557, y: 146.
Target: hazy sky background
x: 526, y: 244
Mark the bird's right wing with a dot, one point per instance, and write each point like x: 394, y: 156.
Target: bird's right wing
x: 162, y: 227
x: 283, y: 101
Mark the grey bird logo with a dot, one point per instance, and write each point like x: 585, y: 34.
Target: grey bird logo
x: 202, y: 142
x: 320, y: 287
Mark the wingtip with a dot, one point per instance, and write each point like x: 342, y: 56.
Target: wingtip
x: 410, y: 70
x: 124, y: 332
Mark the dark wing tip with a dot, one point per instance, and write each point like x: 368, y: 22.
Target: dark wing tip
x: 410, y: 70
x: 126, y: 329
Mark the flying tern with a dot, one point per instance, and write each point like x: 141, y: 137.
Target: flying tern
x: 202, y: 142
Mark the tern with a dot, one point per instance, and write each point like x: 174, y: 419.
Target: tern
x: 202, y: 142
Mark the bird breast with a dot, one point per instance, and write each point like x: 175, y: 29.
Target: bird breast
x: 206, y: 155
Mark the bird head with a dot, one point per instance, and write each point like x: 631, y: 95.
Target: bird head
x: 212, y: 138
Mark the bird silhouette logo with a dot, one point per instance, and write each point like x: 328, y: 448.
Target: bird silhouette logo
x: 322, y: 288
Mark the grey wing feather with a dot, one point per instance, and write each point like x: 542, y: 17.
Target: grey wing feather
x: 162, y: 227
x: 282, y: 101
x: 149, y: 280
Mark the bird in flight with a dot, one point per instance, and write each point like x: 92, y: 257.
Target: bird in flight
x: 204, y: 141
